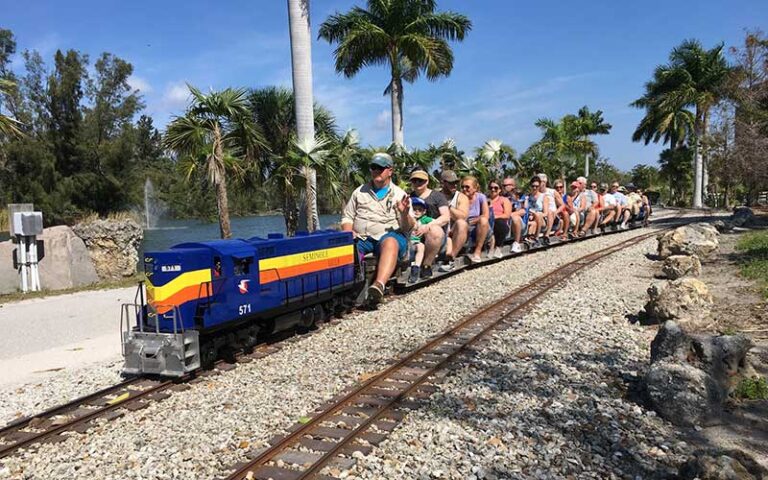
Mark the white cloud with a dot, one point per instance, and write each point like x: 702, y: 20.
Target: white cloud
x: 176, y: 96
x: 139, y: 83
x: 383, y: 120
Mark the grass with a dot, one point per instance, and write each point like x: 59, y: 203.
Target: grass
x: 754, y: 258
x: 752, y: 388
x: 125, y: 282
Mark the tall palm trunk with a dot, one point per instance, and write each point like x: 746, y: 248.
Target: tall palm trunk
x: 222, y: 203
x: 301, y: 62
x: 697, y: 160
x: 705, y: 162
x: 396, y: 95
x: 290, y: 212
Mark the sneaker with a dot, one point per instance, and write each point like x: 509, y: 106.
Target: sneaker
x: 545, y: 240
x: 516, y: 247
x: 497, y: 252
x: 426, y: 272
x: 413, y: 277
x: 624, y: 226
x: 446, y: 267
x: 475, y: 258
x: 375, y: 293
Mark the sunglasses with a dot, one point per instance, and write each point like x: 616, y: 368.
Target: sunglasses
x: 495, y: 188
x: 466, y: 187
x: 593, y: 186
x: 378, y: 168
x: 508, y: 185
x: 558, y: 187
x: 418, y: 181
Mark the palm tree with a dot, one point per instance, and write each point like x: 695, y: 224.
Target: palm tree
x: 408, y: 35
x: 498, y: 157
x: 694, y: 78
x: 562, y: 142
x: 8, y: 126
x: 272, y: 109
x: 301, y: 62
x: 590, y: 123
x: 215, y: 132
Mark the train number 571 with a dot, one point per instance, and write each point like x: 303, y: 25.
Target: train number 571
x: 243, y: 309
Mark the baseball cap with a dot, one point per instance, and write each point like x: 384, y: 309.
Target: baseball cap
x: 383, y: 160
x: 449, y: 176
x: 420, y: 174
x: 622, y: 189
x: 418, y: 202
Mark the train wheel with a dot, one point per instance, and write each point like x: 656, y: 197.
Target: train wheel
x: 207, y: 355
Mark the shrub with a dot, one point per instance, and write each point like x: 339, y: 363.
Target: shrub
x: 752, y: 388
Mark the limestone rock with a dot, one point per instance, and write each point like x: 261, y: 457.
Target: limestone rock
x: 697, y: 239
x: 742, y: 217
x: 691, y: 375
x: 707, y: 229
x: 684, y: 300
x: 723, y: 226
x: 670, y: 342
x: 113, y: 246
x: 678, y: 391
x: 66, y: 263
x: 678, y: 266
x: 716, y: 466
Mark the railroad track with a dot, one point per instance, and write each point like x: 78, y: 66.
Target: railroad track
x: 110, y: 403
x: 328, y: 441
x: 79, y: 414
x: 137, y: 393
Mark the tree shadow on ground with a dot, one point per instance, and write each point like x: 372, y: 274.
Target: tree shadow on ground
x: 597, y: 423
x: 550, y: 404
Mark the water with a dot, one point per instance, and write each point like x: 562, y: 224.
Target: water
x: 172, y: 232
x: 154, y: 208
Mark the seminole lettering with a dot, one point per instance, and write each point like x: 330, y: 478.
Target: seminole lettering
x: 317, y: 255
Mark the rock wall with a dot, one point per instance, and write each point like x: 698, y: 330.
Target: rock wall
x: 113, y: 246
x: 66, y: 263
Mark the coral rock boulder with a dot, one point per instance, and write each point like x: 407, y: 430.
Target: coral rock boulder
x: 698, y: 239
x: 678, y: 266
x: 113, y: 246
x: 685, y: 300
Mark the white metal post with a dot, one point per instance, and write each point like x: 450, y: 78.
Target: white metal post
x: 33, y: 270
x: 23, y: 262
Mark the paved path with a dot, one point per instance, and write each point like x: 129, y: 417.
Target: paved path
x: 64, y: 331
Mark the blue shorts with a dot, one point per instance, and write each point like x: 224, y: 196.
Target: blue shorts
x: 370, y: 245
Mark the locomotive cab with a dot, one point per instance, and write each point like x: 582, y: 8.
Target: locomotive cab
x: 206, y: 298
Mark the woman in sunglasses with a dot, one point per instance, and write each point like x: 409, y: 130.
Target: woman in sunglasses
x: 479, y: 227
x: 501, y: 208
x: 564, y: 210
x: 534, y: 205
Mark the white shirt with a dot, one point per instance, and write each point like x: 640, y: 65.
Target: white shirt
x: 609, y: 200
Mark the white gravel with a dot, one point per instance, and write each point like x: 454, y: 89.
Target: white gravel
x: 199, y: 432
x: 545, y: 398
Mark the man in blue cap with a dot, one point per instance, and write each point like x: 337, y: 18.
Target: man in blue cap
x: 378, y: 213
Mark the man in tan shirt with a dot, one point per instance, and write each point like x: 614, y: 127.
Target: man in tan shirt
x: 378, y: 213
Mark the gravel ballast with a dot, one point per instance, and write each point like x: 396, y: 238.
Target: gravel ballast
x: 200, y: 432
x: 545, y: 398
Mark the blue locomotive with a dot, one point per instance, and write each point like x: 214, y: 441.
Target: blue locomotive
x: 201, y: 298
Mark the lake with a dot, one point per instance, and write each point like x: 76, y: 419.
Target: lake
x: 172, y: 232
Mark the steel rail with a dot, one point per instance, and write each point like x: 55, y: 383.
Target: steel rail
x: 499, y: 311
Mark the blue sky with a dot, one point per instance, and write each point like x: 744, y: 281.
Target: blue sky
x: 522, y: 60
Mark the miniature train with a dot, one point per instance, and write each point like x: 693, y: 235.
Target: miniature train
x: 205, y: 299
